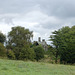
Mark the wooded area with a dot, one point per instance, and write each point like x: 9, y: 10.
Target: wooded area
x: 18, y: 45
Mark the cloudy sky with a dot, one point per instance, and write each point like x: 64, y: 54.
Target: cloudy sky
x: 40, y: 16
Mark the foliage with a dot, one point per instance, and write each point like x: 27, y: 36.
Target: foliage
x: 64, y: 42
x: 2, y: 37
x: 2, y: 50
x: 19, y: 36
x: 27, y: 53
x: 68, y: 46
x: 35, y: 43
x: 52, y: 53
x: 10, y: 54
x: 55, y: 41
x: 19, y: 40
x: 39, y: 51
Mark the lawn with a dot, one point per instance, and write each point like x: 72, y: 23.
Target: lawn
x: 12, y: 67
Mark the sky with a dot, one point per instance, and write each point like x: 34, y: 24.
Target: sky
x: 40, y: 16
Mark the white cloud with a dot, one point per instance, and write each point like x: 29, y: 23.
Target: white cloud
x: 40, y: 16
x: 4, y: 28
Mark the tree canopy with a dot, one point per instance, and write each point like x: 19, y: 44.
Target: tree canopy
x: 39, y: 52
x: 19, y: 36
x: 64, y: 42
x: 2, y: 50
x: 2, y: 37
x: 19, y: 40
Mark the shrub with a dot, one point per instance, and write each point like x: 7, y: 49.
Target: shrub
x: 10, y: 54
x: 39, y: 52
x: 27, y: 54
x: 24, y: 53
x: 2, y: 37
x: 2, y: 50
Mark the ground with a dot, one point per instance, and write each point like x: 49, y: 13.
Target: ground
x: 12, y: 67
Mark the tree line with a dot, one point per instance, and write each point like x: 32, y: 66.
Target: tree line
x: 18, y: 45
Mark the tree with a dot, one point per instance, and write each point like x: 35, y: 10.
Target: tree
x: 55, y: 38
x: 35, y: 43
x: 19, y: 36
x: 68, y: 46
x: 24, y: 53
x: 64, y: 42
x: 39, y: 52
x: 27, y: 53
x: 2, y: 37
x: 10, y: 54
x: 2, y: 50
x: 52, y: 53
x: 19, y: 40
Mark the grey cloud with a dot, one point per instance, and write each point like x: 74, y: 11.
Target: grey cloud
x: 7, y: 20
x: 57, y: 23
x: 39, y: 11
x: 58, y: 8
x: 16, y: 6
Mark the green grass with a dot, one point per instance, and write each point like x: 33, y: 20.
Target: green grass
x: 11, y: 67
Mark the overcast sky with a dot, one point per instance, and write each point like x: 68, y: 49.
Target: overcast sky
x: 40, y: 16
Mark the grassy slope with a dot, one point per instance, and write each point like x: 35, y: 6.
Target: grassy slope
x: 10, y: 67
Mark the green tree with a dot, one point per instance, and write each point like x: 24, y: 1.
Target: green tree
x: 68, y: 45
x: 2, y: 37
x: 27, y: 53
x: 10, y: 54
x: 55, y: 38
x: 64, y: 42
x: 52, y: 53
x: 39, y: 52
x: 2, y: 50
x: 19, y: 36
x: 19, y: 40
x: 35, y: 43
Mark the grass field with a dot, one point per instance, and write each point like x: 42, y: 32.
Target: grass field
x: 11, y: 67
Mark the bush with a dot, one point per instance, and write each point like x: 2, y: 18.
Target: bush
x: 2, y: 50
x: 31, y: 54
x: 39, y: 52
x: 10, y: 54
x: 2, y: 38
x: 27, y: 54
x: 24, y: 53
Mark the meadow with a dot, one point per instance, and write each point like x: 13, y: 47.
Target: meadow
x: 12, y: 67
